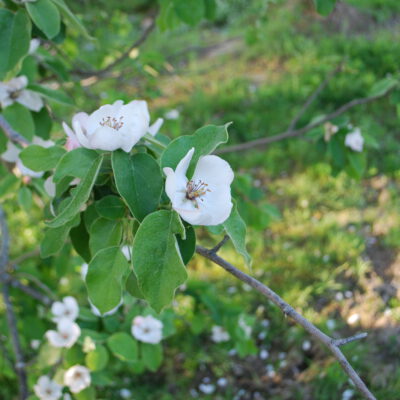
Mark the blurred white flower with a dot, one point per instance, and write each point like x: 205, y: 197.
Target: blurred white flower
x: 245, y: 327
x: 206, y: 198
x: 126, y: 251
x: 264, y: 354
x: 354, y: 140
x: 265, y: 323
x: 14, y: 91
x: 306, y: 345
x: 270, y: 370
x: 33, y: 45
x: 35, y: 344
x: 331, y: 324
x: 67, y: 396
x: 330, y: 130
x: 67, y: 308
x: 88, y: 344
x: 353, y: 319
x: 77, y: 378
x: 262, y: 335
x: 282, y: 355
x: 348, y: 294
x: 222, y: 382
x: 219, y: 334
x: 339, y: 296
x: 232, y: 352
x: 111, y: 127
x: 172, y: 114
x: 125, y: 393
x: 46, y: 389
x: 207, y: 388
x: 147, y: 329
x: 66, y: 335
x: 347, y: 394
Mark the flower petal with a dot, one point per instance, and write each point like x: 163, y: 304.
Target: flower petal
x: 155, y: 127
x: 30, y: 100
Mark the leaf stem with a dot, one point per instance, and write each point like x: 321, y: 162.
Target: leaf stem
x: 151, y: 140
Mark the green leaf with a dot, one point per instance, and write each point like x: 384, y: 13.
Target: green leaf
x: 157, y: 262
x: 151, y: 355
x: 139, y: 181
x: 357, y: 164
x: 205, y: 140
x: 210, y: 9
x: 111, y: 207
x: 20, y: 118
x: 46, y: 16
x: 48, y: 355
x: 106, y: 274
x: 75, y: 163
x: 324, y: 7
x: 383, y: 86
x: 38, y: 158
x: 123, y: 346
x: 81, y: 195
x: 80, y: 240
x: 187, y: 246
x: 87, y: 394
x: 25, y: 198
x: 132, y: 286
x: 15, y: 34
x: 97, y: 359
x: 72, y: 19
x: 190, y: 11
x: 236, y: 229
x: 51, y: 94
x: 43, y: 123
x: 54, y: 238
x: 104, y: 233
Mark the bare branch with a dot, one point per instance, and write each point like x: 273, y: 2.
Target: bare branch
x: 10, y: 132
x: 314, y: 95
x: 258, y: 143
x: 341, y: 342
x: 104, y: 71
x: 11, y: 318
x: 215, y: 249
x: 291, y: 312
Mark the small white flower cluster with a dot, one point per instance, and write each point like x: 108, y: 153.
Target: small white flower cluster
x: 354, y: 140
x: 64, y: 313
x: 219, y: 334
x: 147, y: 329
x: 76, y: 378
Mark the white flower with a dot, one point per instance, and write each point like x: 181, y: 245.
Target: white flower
x: 207, y: 388
x: 219, y: 334
x: 354, y: 140
x: 155, y: 127
x: 67, y: 308
x: 353, y: 319
x: 245, y: 327
x: 331, y: 324
x: 77, y: 378
x: 222, y: 382
x: 147, y: 329
x: 111, y: 127
x: 306, y: 345
x: 14, y: 91
x: 264, y: 354
x: 127, y: 252
x: 46, y: 389
x: 347, y: 394
x: 35, y: 344
x: 125, y: 393
x: 66, y: 335
x: 206, y: 198
x: 33, y: 46
x: 172, y: 114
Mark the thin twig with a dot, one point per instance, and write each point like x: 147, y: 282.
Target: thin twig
x: 11, y: 318
x: 291, y: 312
x: 25, y: 256
x: 11, y: 133
x: 258, y: 143
x: 314, y: 95
x: 104, y: 71
x: 216, y: 248
x: 341, y: 342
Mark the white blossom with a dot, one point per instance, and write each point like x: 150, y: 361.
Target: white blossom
x: 66, y: 335
x: 147, y: 329
x: 111, y: 127
x: 207, y: 388
x: 77, y: 378
x: 353, y: 319
x: 46, y: 389
x: 172, y: 114
x: 35, y: 344
x: 354, y: 140
x: 347, y: 394
x: 67, y: 308
x: 155, y: 127
x: 219, y: 334
x: 33, y: 45
x: 245, y: 327
x: 264, y: 354
x: 125, y: 393
x: 206, y: 198
x: 14, y: 91
x: 222, y: 382
x: 306, y: 345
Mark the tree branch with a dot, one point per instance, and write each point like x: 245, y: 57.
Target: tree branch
x: 11, y: 318
x: 104, y: 71
x: 10, y: 132
x: 298, y: 132
x: 332, y: 344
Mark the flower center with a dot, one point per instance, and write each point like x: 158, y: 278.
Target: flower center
x: 14, y: 94
x: 113, y: 123
x: 195, y: 190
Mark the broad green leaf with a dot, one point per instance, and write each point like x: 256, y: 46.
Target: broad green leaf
x: 205, y: 140
x: 54, y: 238
x: 110, y: 207
x: 151, y: 355
x: 51, y: 94
x: 48, y: 355
x: 20, y: 118
x: 357, y: 164
x: 190, y: 11
x: 139, y: 181
x: 75, y: 163
x: 43, y: 123
x: 25, y: 198
x: 104, y: 233
x: 97, y: 359
x: 80, y: 240
x: 324, y: 7
x: 156, y: 259
x: 210, y: 9
x: 72, y: 18
x: 38, y: 158
x: 187, y: 247
x: 106, y: 277
x: 46, y: 16
x: 123, y: 346
x: 8, y: 185
x: 132, y: 286
x: 86, y: 394
x: 236, y: 229
x: 15, y: 34
x: 90, y: 215
x: 80, y: 197
x: 383, y: 86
